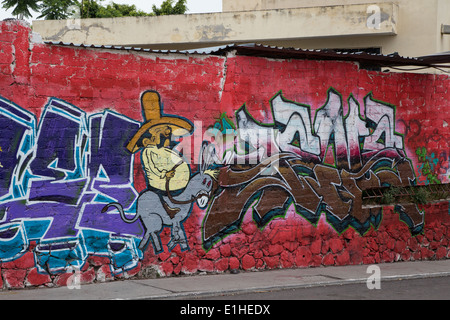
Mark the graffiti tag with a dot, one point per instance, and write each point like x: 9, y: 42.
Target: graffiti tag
x: 64, y: 170
x: 366, y: 151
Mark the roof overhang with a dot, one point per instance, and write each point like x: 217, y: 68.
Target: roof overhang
x: 201, y: 30
x: 441, y: 60
x: 380, y: 60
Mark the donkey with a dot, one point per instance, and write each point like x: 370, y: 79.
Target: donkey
x: 158, y: 211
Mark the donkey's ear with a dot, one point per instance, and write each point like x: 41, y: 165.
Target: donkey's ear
x: 201, y: 158
x: 209, y: 156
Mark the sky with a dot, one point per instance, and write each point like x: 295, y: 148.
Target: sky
x: 194, y: 6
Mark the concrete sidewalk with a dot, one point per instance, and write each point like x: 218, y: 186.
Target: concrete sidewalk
x: 186, y: 287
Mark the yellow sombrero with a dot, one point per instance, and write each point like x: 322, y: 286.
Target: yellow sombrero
x: 151, y: 105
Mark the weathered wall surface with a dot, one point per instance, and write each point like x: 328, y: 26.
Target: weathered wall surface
x: 202, y: 30
x: 93, y: 186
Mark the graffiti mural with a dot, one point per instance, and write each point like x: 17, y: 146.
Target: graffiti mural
x: 74, y: 195
x: 58, y: 191
x: 171, y: 190
x: 433, y: 169
x: 56, y: 177
x: 316, y: 166
x: 188, y: 163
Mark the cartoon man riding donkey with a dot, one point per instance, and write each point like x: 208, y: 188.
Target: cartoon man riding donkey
x: 166, y: 173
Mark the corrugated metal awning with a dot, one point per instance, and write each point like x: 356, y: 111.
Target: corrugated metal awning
x: 441, y: 60
x: 438, y: 58
x: 381, y: 60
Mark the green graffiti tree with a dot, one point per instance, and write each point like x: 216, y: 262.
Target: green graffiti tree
x: 427, y: 165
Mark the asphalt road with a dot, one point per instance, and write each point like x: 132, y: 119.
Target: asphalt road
x: 411, y: 289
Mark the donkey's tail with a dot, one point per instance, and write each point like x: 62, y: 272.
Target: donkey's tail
x: 119, y: 207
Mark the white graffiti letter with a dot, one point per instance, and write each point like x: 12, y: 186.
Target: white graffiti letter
x: 329, y: 122
x: 356, y: 127
x: 384, y: 136
x: 297, y: 122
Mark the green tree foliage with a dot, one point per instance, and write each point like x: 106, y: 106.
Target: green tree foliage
x: 168, y: 8
x: 89, y: 9
x: 64, y: 9
x: 94, y: 9
x: 57, y: 9
x: 124, y: 10
x: 21, y: 7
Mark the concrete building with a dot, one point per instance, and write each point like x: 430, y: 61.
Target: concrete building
x: 418, y: 27
x: 412, y: 28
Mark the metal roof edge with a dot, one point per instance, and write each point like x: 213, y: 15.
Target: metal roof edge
x: 260, y: 50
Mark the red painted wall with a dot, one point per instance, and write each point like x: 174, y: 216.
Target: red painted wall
x: 200, y: 89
